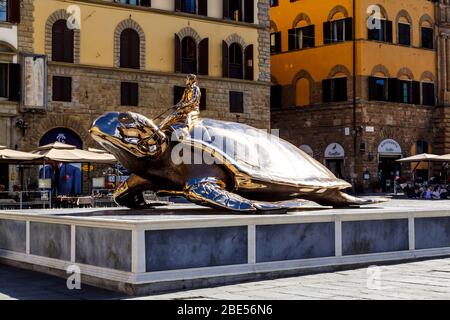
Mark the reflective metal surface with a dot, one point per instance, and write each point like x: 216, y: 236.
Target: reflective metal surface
x: 218, y: 164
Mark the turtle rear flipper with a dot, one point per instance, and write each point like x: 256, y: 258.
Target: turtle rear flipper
x: 339, y: 199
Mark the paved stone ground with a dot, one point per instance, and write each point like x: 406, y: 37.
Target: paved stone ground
x: 417, y: 280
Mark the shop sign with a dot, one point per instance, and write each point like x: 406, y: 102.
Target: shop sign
x: 334, y: 150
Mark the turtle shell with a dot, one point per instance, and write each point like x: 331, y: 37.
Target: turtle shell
x: 260, y: 155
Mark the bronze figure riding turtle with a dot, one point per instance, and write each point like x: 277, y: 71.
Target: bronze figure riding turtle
x: 218, y: 164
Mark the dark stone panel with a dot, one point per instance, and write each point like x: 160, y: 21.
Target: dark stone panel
x: 294, y: 241
x: 374, y: 236
x: 13, y: 235
x: 107, y: 248
x: 432, y: 232
x: 195, y: 248
x: 50, y: 240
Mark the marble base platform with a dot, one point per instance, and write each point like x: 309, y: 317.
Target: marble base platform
x: 186, y: 246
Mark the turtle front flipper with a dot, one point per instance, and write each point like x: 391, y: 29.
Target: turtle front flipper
x: 212, y: 193
x: 130, y: 194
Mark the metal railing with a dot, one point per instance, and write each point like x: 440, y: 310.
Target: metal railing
x: 25, y: 200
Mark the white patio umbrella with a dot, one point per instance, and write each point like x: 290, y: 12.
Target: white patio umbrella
x: 423, y: 157
x: 14, y: 156
x: 61, y: 152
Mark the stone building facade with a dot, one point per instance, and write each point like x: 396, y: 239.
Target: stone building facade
x: 97, y: 76
x: 360, y: 135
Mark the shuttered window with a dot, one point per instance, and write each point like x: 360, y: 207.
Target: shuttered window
x: 428, y: 94
x: 334, y: 90
x: 427, y: 38
x: 300, y: 38
x: 129, y: 94
x: 203, y: 52
x: 3, y: 80
x: 275, y: 42
x: 235, y: 62
x: 14, y: 82
x: 62, y: 89
x: 62, y: 42
x: 404, y: 34
x: 236, y: 102
x: 3, y: 10
x: 338, y: 30
x: 377, y: 89
x: 383, y: 33
x: 188, y: 55
x: 142, y: 3
x: 10, y: 11
x: 129, y: 49
x: 239, y: 10
x: 10, y: 75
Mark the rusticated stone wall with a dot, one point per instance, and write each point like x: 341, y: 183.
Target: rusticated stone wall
x: 97, y: 90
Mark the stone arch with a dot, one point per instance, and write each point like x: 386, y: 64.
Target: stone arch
x: 404, y: 14
x: 273, y: 26
x: 427, y: 75
x: 189, y: 32
x: 339, y: 69
x: 235, y: 38
x: 49, y: 122
x: 422, y: 20
x: 405, y: 72
x: 300, y: 17
x: 380, y: 68
x: 55, y: 16
x: 6, y: 47
x: 383, y: 11
x: 302, y: 74
x: 426, y: 18
x: 337, y: 9
x: 129, y: 24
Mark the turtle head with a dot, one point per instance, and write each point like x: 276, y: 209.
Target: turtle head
x: 131, y: 132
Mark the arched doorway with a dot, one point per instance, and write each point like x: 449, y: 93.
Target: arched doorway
x: 389, y: 151
x: 63, y: 179
x: 334, y: 159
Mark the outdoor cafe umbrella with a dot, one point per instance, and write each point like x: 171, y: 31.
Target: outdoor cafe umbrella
x: 423, y: 157
x: 14, y: 156
x: 66, y: 153
x: 61, y: 152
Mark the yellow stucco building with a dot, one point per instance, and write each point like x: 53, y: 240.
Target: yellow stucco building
x: 355, y: 83
x: 81, y: 58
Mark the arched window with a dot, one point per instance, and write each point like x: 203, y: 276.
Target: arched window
x: 302, y: 35
x: 302, y: 92
x: 378, y: 84
x: 129, y: 49
x: 188, y: 55
x: 339, y: 26
x: 426, y: 33
x: 235, y: 61
x: 428, y: 91
x: 380, y: 28
x: 421, y: 147
x: 62, y: 42
x: 404, y: 29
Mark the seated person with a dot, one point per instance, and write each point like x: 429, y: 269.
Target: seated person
x: 185, y: 112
